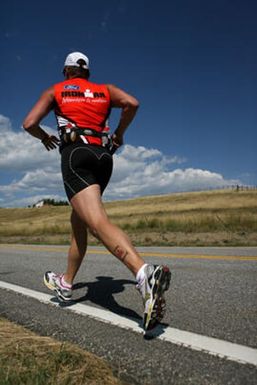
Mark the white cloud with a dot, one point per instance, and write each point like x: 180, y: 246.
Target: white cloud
x: 34, y: 181
x: 20, y: 151
x: 5, y: 124
x: 140, y: 171
x: 36, y: 170
x: 137, y: 171
x: 134, y: 160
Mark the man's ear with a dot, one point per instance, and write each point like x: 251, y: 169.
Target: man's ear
x: 64, y: 71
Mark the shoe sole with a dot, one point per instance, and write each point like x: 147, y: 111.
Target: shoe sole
x: 157, y: 308
x: 57, y: 291
x: 60, y: 296
x: 48, y: 284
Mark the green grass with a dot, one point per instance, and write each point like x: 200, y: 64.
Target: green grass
x: 230, y: 223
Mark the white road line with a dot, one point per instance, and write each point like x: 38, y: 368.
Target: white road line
x: 213, y: 346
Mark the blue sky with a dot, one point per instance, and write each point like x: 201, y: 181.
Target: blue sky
x: 191, y: 64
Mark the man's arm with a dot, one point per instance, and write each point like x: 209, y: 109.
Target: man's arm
x: 129, y: 106
x: 31, y: 123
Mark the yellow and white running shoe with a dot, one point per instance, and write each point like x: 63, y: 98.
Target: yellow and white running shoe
x: 152, y: 288
x: 56, y: 283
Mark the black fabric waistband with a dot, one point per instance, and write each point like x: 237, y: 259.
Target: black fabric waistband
x: 72, y: 135
x: 84, y: 131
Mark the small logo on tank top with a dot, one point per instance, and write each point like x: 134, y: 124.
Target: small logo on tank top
x: 71, y: 87
x: 88, y: 94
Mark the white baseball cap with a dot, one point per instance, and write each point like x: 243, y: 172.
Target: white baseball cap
x: 73, y: 58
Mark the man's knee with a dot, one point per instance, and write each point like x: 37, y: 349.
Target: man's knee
x: 93, y: 230
x: 97, y: 226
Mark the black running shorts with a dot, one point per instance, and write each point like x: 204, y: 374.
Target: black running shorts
x: 84, y: 165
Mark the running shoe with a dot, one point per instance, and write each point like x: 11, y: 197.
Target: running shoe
x: 156, y: 282
x: 56, y: 283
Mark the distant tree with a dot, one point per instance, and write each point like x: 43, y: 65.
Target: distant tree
x: 52, y: 202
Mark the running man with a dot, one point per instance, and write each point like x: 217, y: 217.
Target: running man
x: 86, y: 147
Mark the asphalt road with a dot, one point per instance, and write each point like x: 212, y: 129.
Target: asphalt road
x: 213, y: 293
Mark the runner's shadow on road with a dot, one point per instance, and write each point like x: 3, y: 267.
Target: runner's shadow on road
x: 101, y: 292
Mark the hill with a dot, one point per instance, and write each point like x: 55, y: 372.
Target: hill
x: 214, y: 218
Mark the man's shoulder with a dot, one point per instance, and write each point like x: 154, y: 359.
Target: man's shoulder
x: 76, y: 83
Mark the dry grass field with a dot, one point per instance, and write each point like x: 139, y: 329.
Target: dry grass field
x: 215, y: 218
x: 29, y: 359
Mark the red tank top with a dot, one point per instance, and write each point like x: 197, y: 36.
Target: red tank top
x: 81, y: 103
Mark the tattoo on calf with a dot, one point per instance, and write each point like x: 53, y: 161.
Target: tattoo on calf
x: 120, y: 253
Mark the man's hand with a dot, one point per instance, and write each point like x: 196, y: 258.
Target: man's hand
x: 50, y: 142
x: 117, y: 141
